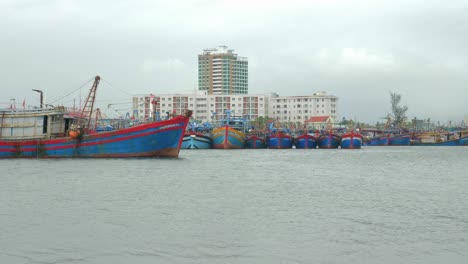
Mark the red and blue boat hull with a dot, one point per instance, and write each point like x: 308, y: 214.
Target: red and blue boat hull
x: 328, y: 141
x: 305, y: 141
x: 156, y: 139
x: 351, y: 141
x: 255, y: 142
x: 280, y: 141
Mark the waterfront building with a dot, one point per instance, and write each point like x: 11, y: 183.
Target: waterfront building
x: 206, y: 107
x: 301, y: 108
x: 210, y: 107
x: 221, y: 71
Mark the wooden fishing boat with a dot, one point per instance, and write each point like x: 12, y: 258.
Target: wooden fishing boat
x: 351, y: 141
x: 47, y: 133
x: 305, y: 141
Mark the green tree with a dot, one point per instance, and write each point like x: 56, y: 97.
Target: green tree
x: 399, y: 112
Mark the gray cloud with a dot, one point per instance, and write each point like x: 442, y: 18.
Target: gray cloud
x: 357, y: 50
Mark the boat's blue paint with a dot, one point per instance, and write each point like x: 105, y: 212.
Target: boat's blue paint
x: 328, y: 141
x: 196, y: 141
x: 305, y: 141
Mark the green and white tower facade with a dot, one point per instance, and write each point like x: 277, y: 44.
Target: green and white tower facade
x: 221, y: 71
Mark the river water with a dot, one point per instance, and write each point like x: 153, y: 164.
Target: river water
x: 374, y: 205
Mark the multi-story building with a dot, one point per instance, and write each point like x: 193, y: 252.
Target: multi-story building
x: 301, y: 108
x: 208, y: 107
x: 221, y: 71
x: 205, y: 107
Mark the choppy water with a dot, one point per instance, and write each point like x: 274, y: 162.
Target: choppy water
x: 374, y: 205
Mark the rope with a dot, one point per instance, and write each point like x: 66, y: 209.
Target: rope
x: 87, y: 82
x: 115, y: 87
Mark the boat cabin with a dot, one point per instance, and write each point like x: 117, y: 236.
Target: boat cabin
x: 33, y: 123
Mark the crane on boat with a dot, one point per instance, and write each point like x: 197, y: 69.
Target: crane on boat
x: 84, y: 120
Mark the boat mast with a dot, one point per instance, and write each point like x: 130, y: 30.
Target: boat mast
x: 86, y: 112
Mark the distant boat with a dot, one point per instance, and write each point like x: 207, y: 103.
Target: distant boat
x: 305, y: 141
x: 462, y: 137
x: 255, y: 142
x: 379, y: 141
x: 351, y: 141
x: 328, y: 141
x: 197, y: 136
x: 47, y: 133
x: 439, y: 139
x: 229, y: 134
x: 280, y: 140
x: 399, y: 140
x: 196, y: 140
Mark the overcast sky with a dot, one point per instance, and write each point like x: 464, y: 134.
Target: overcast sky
x: 359, y: 51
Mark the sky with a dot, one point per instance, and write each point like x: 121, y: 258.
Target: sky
x: 359, y: 51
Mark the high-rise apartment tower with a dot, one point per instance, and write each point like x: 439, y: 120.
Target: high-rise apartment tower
x: 221, y: 71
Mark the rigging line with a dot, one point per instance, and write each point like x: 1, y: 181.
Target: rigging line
x: 127, y: 93
x: 87, y: 82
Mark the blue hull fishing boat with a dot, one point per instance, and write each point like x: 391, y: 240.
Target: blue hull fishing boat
x: 53, y: 136
x: 280, y: 140
x: 380, y: 141
x: 351, y: 141
x: 305, y: 141
x: 399, y: 140
x: 194, y: 140
x: 328, y: 141
x: 463, y: 141
x: 255, y: 142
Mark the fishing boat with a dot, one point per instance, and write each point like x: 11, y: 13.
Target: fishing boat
x: 255, y: 142
x: 197, y: 137
x: 280, y: 139
x: 379, y: 141
x: 196, y: 140
x: 305, y: 141
x: 351, y: 140
x: 463, y: 138
x: 48, y: 133
x: 399, y: 140
x: 438, y: 139
x: 230, y: 134
x: 328, y: 140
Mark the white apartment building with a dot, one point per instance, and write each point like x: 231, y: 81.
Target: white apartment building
x: 205, y: 107
x: 208, y: 107
x: 301, y: 108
